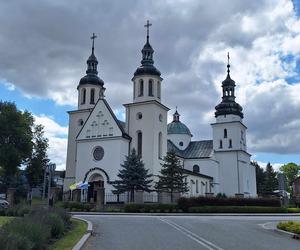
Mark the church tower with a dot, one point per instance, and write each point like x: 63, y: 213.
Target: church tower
x: 146, y: 116
x: 229, y: 143
x: 90, y: 89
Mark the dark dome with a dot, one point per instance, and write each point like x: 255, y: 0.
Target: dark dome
x: 91, y: 79
x: 177, y: 127
x: 229, y: 108
x: 147, y: 70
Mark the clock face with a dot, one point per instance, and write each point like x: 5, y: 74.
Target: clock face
x: 98, y: 153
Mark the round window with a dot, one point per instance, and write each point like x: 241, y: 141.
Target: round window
x: 98, y: 153
x: 139, y: 116
x: 181, y: 144
x: 160, y: 117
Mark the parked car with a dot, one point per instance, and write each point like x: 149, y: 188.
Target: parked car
x: 4, y: 203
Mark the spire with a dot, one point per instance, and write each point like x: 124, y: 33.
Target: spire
x: 91, y: 72
x: 147, y: 62
x: 176, y: 116
x: 228, y: 104
x: 92, y: 60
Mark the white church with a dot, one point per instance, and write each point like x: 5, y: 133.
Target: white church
x: 98, y: 141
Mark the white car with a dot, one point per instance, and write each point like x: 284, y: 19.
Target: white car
x: 4, y: 203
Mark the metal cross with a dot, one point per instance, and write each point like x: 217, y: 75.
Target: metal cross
x: 228, y: 57
x: 93, y: 37
x: 147, y: 26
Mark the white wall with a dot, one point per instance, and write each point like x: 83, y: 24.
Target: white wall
x: 88, y: 88
x: 202, y: 183
x: 177, y: 138
x: 76, y: 118
x: 115, y: 150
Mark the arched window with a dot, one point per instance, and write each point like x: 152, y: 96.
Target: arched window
x: 158, y: 89
x: 230, y: 143
x: 160, y: 145
x: 196, y: 169
x: 83, y: 94
x: 141, y: 89
x: 221, y: 144
x: 139, y: 143
x: 92, y: 100
x: 150, y: 88
x: 225, y: 133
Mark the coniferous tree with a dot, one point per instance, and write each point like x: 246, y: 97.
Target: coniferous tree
x: 260, y: 178
x: 133, y: 176
x: 271, y: 181
x: 171, y: 178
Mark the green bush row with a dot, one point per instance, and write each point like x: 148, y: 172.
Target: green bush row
x: 77, y: 206
x: 290, y: 226
x: 35, y: 230
x: 17, y: 211
x: 186, y: 203
x: 236, y: 209
x: 151, y: 208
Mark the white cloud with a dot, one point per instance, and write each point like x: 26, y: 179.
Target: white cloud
x: 57, y: 136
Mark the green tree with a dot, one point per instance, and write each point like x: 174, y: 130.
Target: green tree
x: 171, y: 178
x: 271, y: 181
x: 133, y: 176
x: 38, y: 160
x: 15, y: 141
x: 260, y: 178
x: 291, y: 171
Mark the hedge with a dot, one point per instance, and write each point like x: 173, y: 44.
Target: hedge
x: 236, y: 209
x: 77, y: 206
x: 34, y: 231
x: 151, y: 208
x: 186, y: 203
x: 290, y: 226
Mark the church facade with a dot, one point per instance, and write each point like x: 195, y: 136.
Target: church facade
x: 98, y: 141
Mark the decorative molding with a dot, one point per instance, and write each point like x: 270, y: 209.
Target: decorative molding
x: 101, y: 170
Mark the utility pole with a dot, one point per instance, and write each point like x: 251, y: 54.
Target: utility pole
x: 51, y: 169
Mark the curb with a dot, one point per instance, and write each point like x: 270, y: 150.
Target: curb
x: 183, y: 214
x: 86, y: 236
x: 286, y: 233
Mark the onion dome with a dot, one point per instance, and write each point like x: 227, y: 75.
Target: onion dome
x: 177, y: 127
x: 147, y: 63
x: 228, y: 106
x: 91, y: 76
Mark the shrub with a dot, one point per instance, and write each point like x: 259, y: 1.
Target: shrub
x: 293, y: 210
x: 186, y: 203
x: 27, y: 234
x: 236, y: 209
x: 149, y: 208
x: 56, y: 224
x: 290, y: 226
x: 77, y: 206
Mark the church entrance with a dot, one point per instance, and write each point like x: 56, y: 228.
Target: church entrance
x: 96, y: 189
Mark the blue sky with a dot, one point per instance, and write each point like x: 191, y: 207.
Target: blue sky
x: 193, y: 58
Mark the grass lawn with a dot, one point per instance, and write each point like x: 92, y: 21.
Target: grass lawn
x: 290, y: 226
x: 4, y: 219
x: 69, y: 240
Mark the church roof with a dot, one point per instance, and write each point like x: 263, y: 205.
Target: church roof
x: 177, y: 127
x: 196, y: 149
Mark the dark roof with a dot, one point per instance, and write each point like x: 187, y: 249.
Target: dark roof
x: 147, y: 70
x: 91, y: 79
x: 177, y: 127
x: 189, y: 172
x: 123, y: 124
x: 196, y: 149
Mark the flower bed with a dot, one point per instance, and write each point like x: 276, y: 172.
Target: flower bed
x: 289, y: 226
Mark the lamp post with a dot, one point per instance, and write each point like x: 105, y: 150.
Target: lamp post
x: 51, y: 168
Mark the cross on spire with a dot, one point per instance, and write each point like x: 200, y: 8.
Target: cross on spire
x: 228, y: 65
x: 147, y: 25
x: 93, y: 37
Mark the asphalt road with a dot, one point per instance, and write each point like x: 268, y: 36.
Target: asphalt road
x: 123, y: 232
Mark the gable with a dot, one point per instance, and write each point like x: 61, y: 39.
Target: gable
x: 101, y: 123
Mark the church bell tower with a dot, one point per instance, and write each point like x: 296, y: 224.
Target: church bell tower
x: 146, y: 116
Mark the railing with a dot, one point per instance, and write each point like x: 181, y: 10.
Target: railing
x: 116, y: 198
x: 150, y: 197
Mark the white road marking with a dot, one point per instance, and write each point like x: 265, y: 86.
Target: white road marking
x: 191, y: 235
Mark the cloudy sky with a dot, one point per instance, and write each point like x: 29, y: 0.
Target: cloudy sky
x: 44, y: 46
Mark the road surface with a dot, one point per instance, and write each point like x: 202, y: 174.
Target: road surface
x: 127, y: 232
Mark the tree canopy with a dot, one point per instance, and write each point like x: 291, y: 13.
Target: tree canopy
x: 133, y: 176
x: 171, y: 178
